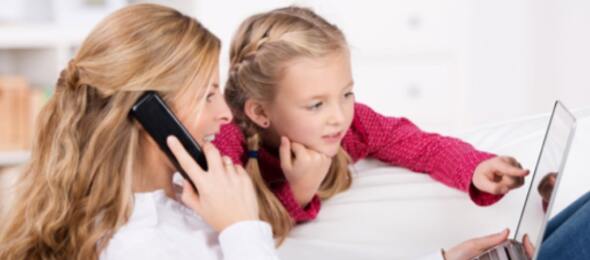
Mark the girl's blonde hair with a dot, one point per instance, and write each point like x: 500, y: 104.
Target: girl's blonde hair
x: 260, y: 51
x: 76, y: 190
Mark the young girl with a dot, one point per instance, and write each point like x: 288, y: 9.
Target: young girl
x: 297, y: 126
x: 97, y: 185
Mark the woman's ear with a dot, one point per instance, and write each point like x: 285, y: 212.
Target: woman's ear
x: 256, y: 112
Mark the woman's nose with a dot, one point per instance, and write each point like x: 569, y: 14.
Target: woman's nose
x: 225, y: 115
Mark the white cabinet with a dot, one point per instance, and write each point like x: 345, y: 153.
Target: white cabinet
x: 444, y: 64
x: 425, y: 91
x: 408, y: 56
x: 399, y: 26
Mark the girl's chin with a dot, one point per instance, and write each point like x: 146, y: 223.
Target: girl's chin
x: 330, y: 151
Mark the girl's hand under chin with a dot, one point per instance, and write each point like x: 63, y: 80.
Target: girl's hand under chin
x: 304, y: 171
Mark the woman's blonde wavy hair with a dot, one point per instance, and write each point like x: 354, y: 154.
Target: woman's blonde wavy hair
x: 76, y: 190
x: 260, y: 50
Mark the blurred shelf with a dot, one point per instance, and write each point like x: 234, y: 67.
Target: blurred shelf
x: 12, y: 158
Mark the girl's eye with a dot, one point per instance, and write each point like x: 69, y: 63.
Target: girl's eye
x: 348, y: 94
x: 315, y: 106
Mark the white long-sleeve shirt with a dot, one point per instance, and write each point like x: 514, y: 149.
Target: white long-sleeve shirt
x: 163, y: 228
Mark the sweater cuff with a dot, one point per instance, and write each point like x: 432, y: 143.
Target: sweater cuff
x: 297, y: 213
x: 247, y: 240
x: 480, y: 198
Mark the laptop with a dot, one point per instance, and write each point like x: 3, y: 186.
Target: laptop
x: 551, y: 160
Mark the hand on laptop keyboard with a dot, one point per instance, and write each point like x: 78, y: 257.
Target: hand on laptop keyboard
x: 474, y: 247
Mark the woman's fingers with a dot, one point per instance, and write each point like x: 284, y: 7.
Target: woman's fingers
x: 226, y: 193
x: 189, y: 197
x: 244, y: 178
x: 231, y: 174
x: 213, y: 157
x: 228, y: 164
x: 489, y: 241
x: 217, y: 165
x: 474, y: 247
x: 187, y: 163
x: 240, y: 171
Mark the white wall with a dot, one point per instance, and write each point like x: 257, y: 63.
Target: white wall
x: 446, y: 64
x: 525, y: 54
x: 464, y: 63
x: 500, y: 65
x: 562, y: 60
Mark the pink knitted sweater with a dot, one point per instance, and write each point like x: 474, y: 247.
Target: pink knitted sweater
x: 396, y: 141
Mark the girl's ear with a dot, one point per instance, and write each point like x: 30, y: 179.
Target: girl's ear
x: 256, y: 112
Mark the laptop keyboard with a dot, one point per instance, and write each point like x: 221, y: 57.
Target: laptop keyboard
x: 490, y: 255
x: 506, y: 251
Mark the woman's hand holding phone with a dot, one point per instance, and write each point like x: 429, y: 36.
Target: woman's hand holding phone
x: 226, y: 192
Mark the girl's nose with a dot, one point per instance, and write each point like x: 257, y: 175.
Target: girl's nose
x: 336, y: 116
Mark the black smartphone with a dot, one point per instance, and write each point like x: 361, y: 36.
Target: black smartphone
x: 159, y: 121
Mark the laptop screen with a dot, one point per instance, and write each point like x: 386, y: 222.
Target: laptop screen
x: 551, y: 161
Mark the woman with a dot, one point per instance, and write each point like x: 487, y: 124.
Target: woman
x: 97, y: 185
